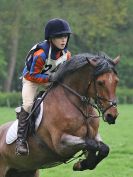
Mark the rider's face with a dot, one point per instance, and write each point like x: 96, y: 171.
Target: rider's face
x: 60, y: 42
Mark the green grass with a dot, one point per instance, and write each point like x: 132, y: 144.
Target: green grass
x: 119, y: 137
x: 6, y: 114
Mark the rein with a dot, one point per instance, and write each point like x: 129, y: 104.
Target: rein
x: 85, y: 100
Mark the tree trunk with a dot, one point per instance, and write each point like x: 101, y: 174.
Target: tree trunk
x: 13, y: 51
x: 12, y: 61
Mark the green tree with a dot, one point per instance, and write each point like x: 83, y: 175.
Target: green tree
x: 96, y: 25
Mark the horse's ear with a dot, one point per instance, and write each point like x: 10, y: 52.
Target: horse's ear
x: 92, y: 61
x: 116, y: 60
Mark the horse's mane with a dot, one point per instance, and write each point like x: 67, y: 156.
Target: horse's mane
x: 105, y: 64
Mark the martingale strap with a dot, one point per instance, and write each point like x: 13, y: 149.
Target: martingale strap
x: 84, y: 99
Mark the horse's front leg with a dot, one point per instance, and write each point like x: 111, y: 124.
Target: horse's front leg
x: 97, y: 151
x: 69, y: 145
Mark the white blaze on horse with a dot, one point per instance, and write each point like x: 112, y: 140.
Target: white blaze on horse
x: 69, y: 123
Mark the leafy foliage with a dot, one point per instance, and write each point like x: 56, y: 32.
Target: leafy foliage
x: 96, y: 25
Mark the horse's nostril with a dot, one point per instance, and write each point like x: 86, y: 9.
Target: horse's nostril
x: 110, y: 119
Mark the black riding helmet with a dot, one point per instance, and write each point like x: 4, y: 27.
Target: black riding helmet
x: 57, y: 27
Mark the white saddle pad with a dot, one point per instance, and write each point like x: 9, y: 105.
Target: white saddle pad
x: 11, y: 135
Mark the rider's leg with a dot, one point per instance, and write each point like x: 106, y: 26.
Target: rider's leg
x: 28, y: 94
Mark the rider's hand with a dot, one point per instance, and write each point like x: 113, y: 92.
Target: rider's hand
x: 51, y: 77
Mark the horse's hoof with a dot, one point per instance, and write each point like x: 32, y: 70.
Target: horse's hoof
x: 83, y: 165
x: 77, y: 167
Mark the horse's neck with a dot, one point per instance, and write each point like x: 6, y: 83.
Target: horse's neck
x: 79, y: 80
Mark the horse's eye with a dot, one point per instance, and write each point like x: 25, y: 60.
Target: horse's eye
x: 100, y: 83
x: 117, y: 81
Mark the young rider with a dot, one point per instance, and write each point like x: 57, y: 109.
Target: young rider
x: 41, y: 61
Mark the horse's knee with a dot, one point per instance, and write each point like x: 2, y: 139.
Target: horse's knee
x: 103, y: 149
x: 92, y: 145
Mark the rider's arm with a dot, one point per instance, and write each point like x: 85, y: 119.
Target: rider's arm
x: 35, y: 75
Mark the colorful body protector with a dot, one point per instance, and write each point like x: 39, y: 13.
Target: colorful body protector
x: 44, y: 61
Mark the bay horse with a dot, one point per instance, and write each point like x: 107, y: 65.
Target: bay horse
x: 70, y: 123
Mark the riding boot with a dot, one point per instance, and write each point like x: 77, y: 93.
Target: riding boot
x: 21, y: 142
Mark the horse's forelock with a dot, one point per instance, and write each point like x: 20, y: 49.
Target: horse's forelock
x: 104, y: 65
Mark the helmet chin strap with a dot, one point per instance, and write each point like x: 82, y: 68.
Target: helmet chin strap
x: 67, y: 40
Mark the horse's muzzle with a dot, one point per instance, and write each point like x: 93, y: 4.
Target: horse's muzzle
x: 110, y: 119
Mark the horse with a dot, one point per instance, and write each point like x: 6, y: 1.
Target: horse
x: 82, y: 87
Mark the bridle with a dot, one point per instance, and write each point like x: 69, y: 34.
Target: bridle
x: 112, y: 103
x: 86, y: 101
